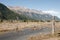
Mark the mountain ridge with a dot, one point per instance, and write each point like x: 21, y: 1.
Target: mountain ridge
x: 34, y: 14
x: 7, y: 13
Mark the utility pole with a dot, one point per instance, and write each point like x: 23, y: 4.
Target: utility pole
x: 53, y: 25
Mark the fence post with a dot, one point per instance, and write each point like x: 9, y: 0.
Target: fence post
x: 53, y: 26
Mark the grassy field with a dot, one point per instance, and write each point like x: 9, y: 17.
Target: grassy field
x: 21, y: 25
x: 13, y: 26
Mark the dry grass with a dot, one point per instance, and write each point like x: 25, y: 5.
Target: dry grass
x: 8, y: 26
x: 40, y: 37
x: 21, y: 25
x: 43, y: 37
x: 55, y: 36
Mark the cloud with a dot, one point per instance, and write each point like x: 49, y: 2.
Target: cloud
x: 52, y: 12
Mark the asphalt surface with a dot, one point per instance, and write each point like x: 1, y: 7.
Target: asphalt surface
x: 23, y: 35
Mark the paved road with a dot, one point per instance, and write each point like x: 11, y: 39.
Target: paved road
x: 23, y: 35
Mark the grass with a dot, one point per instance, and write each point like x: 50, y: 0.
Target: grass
x: 11, y: 26
x: 40, y: 37
x: 55, y: 36
x: 8, y: 25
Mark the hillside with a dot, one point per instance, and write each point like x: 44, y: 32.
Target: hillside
x: 22, y: 13
x: 7, y: 14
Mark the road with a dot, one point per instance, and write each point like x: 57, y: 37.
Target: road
x: 23, y: 35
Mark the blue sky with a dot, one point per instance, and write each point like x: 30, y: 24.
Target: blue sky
x: 49, y: 6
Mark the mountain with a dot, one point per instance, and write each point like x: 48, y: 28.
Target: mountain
x: 7, y: 14
x: 22, y: 13
x: 34, y: 14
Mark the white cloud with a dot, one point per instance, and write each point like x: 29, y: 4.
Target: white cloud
x: 52, y: 12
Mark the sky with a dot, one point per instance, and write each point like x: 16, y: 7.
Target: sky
x: 47, y: 6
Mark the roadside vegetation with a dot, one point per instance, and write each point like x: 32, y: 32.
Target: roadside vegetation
x: 44, y: 37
